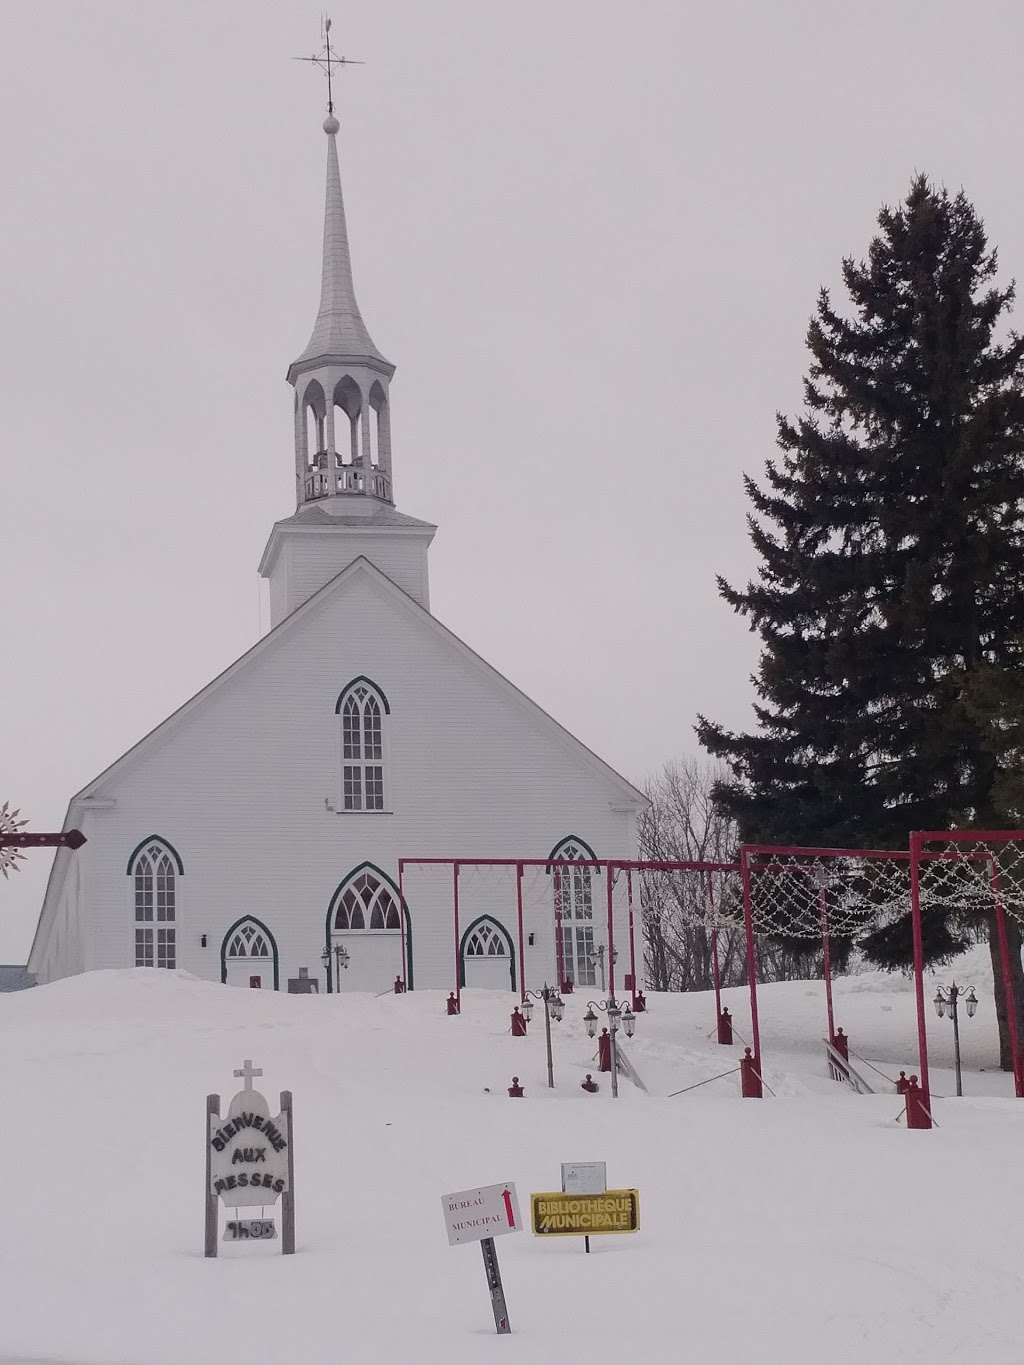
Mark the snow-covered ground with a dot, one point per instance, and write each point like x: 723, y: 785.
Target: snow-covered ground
x: 809, y: 1227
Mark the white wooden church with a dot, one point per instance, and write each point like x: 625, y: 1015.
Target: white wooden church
x: 254, y: 836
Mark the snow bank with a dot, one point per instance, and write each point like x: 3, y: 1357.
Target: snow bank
x: 804, y: 1228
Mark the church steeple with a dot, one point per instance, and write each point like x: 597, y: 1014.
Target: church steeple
x: 344, y: 494
x: 341, y: 379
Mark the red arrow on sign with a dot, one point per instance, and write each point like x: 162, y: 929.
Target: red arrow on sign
x: 508, y: 1210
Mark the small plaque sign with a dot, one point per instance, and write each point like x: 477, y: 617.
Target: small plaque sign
x: 246, y: 1229
x: 584, y: 1177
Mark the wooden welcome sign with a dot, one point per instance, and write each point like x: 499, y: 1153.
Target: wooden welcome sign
x: 249, y: 1165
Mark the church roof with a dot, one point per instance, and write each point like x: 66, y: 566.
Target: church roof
x: 366, y: 515
x: 340, y: 334
x: 15, y: 978
x: 383, y: 514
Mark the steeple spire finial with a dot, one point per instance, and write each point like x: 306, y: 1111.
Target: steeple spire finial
x: 340, y: 333
x: 327, y: 59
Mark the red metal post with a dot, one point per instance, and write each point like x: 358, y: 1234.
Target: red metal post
x: 748, y: 920
x: 750, y: 1077
x: 401, y: 922
x: 918, y: 1108
x: 559, y: 948
x: 923, y: 1111
x: 1011, y: 1011
x: 714, y: 954
x: 632, y: 944
x: 826, y: 953
x: 604, y: 1051
x: 519, y: 912
x: 458, y: 964
x: 611, y: 936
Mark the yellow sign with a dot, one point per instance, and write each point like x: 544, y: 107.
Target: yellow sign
x: 584, y: 1215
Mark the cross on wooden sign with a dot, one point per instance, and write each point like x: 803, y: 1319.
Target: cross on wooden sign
x: 248, y: 1071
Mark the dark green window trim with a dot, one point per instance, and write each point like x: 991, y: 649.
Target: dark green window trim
x: 369, y: 683
x: 164, y: 843
x: 572, y: 839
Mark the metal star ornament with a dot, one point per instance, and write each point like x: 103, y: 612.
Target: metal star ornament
x: 9, y: 824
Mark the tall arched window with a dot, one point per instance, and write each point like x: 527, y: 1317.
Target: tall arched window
x: 364, y: 709
x: 574, y: 913
x: 154, y: 868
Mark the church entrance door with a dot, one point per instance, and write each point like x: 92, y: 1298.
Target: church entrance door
x: 488, y: 956
x: 374, y: 960
x: 363, y: 920
x: 248, y: 956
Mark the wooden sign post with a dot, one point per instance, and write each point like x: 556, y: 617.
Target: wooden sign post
x: 249, y: 1163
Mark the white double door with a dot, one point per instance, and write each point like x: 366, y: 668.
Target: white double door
x: 374, y: 960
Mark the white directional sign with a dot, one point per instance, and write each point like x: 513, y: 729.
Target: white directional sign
x: 474, y: 1215
x: 584, y: 1177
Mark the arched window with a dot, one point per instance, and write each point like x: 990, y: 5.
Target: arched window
x: 364, y: 709
x: 485, y: 941
x: 248, y: 941
x: 154, y: 868
x: 574, y: 913
x: 366, y: 903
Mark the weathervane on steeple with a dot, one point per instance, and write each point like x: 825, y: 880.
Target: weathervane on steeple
x: 327, y: 59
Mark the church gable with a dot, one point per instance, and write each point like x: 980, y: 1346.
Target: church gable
x: 357, y: 666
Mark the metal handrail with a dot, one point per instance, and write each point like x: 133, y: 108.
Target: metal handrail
x: 840, y: 1069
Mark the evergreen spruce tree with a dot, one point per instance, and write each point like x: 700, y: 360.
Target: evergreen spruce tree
x: 994, y: 698
x: 890, y: 532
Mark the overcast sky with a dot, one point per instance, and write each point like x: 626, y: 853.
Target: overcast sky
x: 588, y: 233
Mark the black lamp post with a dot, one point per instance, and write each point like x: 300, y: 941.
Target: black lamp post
x: 341, y: 959
x: 946, y: 1001
x: 617, y: 1016
x: 554, y: 1008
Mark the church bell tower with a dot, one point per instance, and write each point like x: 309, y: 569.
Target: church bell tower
x: 341, y: 380
x: 344, y: 482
